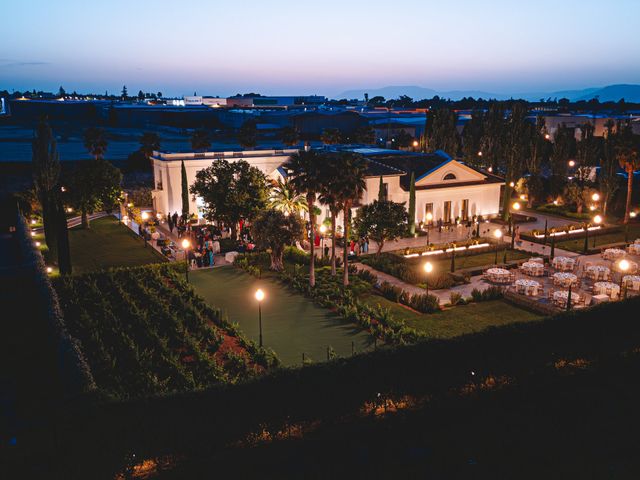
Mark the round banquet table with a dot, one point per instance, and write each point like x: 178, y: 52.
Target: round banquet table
x: 527, y: 287
x: 564, y: 279
x: 610, y: 289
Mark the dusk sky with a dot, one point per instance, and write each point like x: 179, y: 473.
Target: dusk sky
x: 293, y: 47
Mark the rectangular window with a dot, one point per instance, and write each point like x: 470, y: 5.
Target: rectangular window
x: 159, y: 180
x: 446, y: 218
x: 428, y: 209
x: 465, y: 209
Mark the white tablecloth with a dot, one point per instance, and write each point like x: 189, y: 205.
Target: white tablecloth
x: 230, y: 256
x: 561, y: 296
x: 606, y: 288
x: 598, y: 272
x: 563, y: 264
x: 528, y: 287
x: 564, y: 279
x: 499, y: 275
x: 533, y: 268
x: 613, y: 253
x: 536, y: 260
x: 634, y: 249
x: 632, y: 282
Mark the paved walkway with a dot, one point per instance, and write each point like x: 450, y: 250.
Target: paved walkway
x: 444, y: 295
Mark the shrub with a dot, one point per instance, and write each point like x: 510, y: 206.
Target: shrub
x: 455, y: 298
x: 391, y: 292
x: 491, y: 293
x: 425, y: 303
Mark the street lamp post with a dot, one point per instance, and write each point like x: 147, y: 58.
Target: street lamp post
x: 323, y: 230
x: 260, y: 297
x: 145, y: 217
x: 185, y: 246
x: 498, y: 235
x: 428, y: 268
x: 597, y: 220
x: 516, y: 207
x: 429, y: 218
x: 623, y: 266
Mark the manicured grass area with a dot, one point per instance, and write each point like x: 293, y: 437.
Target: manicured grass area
x: 473, y: 261
x: 291, y: 323
x: 577, y: 245
x: 459, y: 320
x: 108, y: 244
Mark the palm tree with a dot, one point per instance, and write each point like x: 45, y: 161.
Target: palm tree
x: 95, y: 141
x: 286, y: 199
x: 305, y: 169
x: 329, y: 196
x: 351, y: 186
x: 629, y: 160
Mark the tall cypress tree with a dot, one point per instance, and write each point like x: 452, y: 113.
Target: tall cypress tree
x: 46, y: 173
x: 62, y: 233
x: 185, y: 192
x: 381, y: 194
x: 412, y: 204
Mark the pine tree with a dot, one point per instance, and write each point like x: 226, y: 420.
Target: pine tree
x: 185, y: 191
x: 412, y: 205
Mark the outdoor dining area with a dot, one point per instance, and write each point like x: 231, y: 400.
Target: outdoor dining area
x: 565, y: 282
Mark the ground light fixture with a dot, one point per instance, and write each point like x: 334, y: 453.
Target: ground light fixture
x: 595, y: 197
x: 428, y: 268
x: 33, y: 222
x: 597, y: 220
x: 49, y: 269
x: 260, y: 297
x: 145, y: 216
x: 185, y: 246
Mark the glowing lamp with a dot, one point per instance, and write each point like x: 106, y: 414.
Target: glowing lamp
x: 186, y: 244
x: 259, y: 295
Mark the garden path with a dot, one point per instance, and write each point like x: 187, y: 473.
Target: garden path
x: 443, y: 295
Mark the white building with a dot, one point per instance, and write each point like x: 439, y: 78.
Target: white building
x: 445, y: 187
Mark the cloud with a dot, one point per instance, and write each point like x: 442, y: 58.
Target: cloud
x: 7, y: 63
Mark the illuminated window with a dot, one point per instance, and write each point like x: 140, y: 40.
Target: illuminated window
x: 449, y: 176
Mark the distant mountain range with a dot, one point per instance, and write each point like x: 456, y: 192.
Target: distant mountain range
x: 631, y: 93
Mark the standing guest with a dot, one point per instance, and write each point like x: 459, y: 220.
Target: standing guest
x: 210, y: 256
x: 170, y: 223
x: 175, y: 219
x: 366, y: 244
x: 326, y: 250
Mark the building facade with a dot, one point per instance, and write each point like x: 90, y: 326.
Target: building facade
x: 448, y: 189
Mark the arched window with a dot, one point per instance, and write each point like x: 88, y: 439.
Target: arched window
x: 449, y: 176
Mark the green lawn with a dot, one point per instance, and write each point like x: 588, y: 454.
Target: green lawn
x: 459, y: 320
x: 108, y: 244
x: 577, y: 245
x: 291, y: 323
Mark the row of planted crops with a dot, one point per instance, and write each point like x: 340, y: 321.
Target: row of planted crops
x: 144, y: 331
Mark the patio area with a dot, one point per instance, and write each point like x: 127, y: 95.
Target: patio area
x: 583, y: 280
